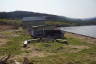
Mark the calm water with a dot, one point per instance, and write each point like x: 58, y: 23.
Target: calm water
x: 83, y: 30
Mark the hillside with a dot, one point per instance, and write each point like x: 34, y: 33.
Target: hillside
x: 20, y: 14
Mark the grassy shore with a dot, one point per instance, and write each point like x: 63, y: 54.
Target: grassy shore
x: 82, y: 38
x: 78, y: 51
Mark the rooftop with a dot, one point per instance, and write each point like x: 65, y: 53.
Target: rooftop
x: 33, y: 18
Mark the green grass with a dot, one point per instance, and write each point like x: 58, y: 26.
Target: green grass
x: 14, y: 45
x: 69, y: 58
x: 76, y: 41
x: 49, y: 46
x: 11, y: 21
x: 63, y: 55
x: 59, y: 53
x: 64, y: 59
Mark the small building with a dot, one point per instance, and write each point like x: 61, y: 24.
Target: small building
x: 47, y: 31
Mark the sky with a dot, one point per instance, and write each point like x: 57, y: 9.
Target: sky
x: 68, y: 8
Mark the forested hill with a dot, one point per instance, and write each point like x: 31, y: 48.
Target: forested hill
x: 21, y: 14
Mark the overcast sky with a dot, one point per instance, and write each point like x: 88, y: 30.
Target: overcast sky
x: 69, y: 8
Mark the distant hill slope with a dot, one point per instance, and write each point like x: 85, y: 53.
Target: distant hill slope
x: 21, y: 14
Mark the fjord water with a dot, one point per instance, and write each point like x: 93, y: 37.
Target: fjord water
x: 83, y: 30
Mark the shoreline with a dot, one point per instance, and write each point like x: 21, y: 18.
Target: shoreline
x: 81, y: 37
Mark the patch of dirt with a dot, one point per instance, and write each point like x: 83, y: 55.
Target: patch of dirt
x: 3, y: 36
x: 3, y: 41
x: 76, y: 48
x: 33, y: 52
x: 6, y: 27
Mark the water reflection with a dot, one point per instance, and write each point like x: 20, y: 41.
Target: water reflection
x: 84, y: 30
